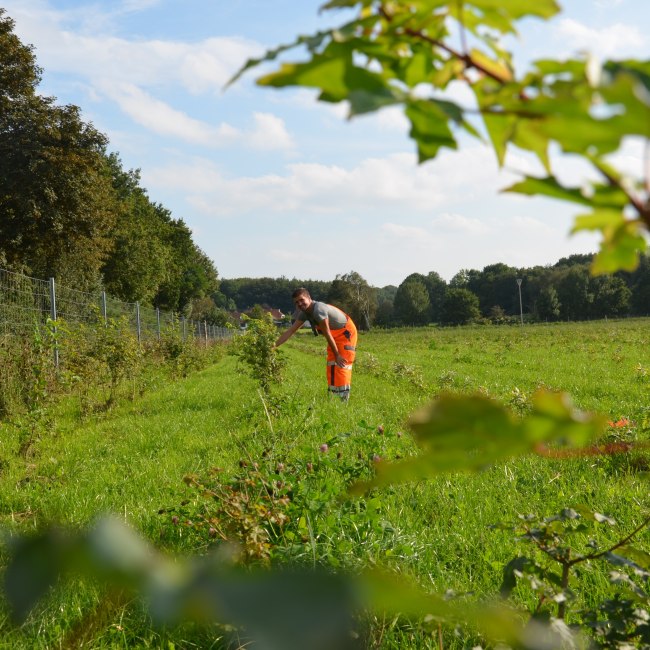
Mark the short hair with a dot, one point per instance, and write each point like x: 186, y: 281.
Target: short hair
x: 300, y: 291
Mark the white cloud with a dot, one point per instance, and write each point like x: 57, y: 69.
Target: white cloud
x: 270, y: 133
x: 159, y: 117
x: 530, y: 226
x: 201, y: 67
x: 376, y: 188
x: 615, y: 40
x: 392, y: 119
x: 452, y: 222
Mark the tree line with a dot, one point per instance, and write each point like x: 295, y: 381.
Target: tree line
x: 565, y: 290
x: 68, y: 208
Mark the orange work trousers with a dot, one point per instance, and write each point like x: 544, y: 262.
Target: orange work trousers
x: 339, y: 379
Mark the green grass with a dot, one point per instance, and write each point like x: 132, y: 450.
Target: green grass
x: 132, y: 461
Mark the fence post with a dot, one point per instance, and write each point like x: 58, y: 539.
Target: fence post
x: 205, y: 326
x: 53, y: 317
x: 104, y: 308
x: 158, y: 321
x: 183, y: 322
x: 137, y: 319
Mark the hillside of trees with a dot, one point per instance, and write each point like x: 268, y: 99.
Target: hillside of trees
x: 563, y: 291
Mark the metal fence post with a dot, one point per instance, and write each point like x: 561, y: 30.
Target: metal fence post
x: 158, y: 321
x: 137, y: 319
x: 104, y: 308
x: 205, y: 326
x: 53, y: 317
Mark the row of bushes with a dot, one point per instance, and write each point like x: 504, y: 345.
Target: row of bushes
x: 100, y: 364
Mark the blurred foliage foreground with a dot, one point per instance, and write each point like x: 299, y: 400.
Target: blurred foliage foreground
x: 299, y: 607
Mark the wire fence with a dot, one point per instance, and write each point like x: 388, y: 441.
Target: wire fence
x: 27, y: 302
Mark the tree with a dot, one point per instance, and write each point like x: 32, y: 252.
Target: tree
x: 392, y: 53
x: 257, y: 312
x: 460, y: 307
x: 640, y: 283
x: 56, y: 202
x: 412, y: 306
x: 385, y: 315
x: 437, y: 288
x: 495, y: 285
x: 611, y: 296
x: 191, y: 274
x: 355, y: 296
x: 574, y: 293
x: 548, y: 304
x: 140, y: 258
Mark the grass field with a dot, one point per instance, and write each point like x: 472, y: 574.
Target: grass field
x: 132, y: 460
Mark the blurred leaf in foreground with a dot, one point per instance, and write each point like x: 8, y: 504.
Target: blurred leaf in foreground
x: 279, y: 609
x: 471, y: 432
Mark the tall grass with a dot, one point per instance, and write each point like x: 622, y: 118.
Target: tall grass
x: 132, y: 461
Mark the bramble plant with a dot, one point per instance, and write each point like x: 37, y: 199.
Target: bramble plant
x: 105, y: 350
x: 256, y: 351
x: 566, y: 541
x: 36, y: 382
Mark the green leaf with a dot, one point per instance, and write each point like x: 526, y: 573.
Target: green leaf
x: 418, y: 69
x: 517, y: 565
x: 548, y: 186
x: 312, y: 42
x: 582, y: 133
x: 554, y: 419
x: 519, y: 8
x: 449, y: 70
x: 499, y: 69
x: 35, y: 566
x: 471, y: 432
x: 620, y: 248
x: 500, y: 129
x: 530, y: 136
x: 429, y: 126
x: 639, y: 71
x: 598, y: 220
x: 321, y: 72
x: 639, y: 557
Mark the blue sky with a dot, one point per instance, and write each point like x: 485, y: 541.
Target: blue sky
x: 273, y: 183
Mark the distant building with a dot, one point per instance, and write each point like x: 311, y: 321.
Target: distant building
x: 276, y: 314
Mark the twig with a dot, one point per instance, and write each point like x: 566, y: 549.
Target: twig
x: 268, y: 416
x: 618, y: 544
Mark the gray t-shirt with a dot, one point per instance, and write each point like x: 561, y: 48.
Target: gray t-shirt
x: 319, y: 312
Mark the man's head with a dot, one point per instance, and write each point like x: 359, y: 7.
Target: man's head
x: 301, y: 298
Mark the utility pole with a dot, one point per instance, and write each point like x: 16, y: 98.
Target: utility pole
x: 521, y: 308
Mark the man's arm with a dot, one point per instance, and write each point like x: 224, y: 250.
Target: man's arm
x: 287, y: 334
x: 325, y: 329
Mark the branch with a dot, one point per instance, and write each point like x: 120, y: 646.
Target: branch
x: 618, y: 544
x: 643, y: 210
x: 466, y: 58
